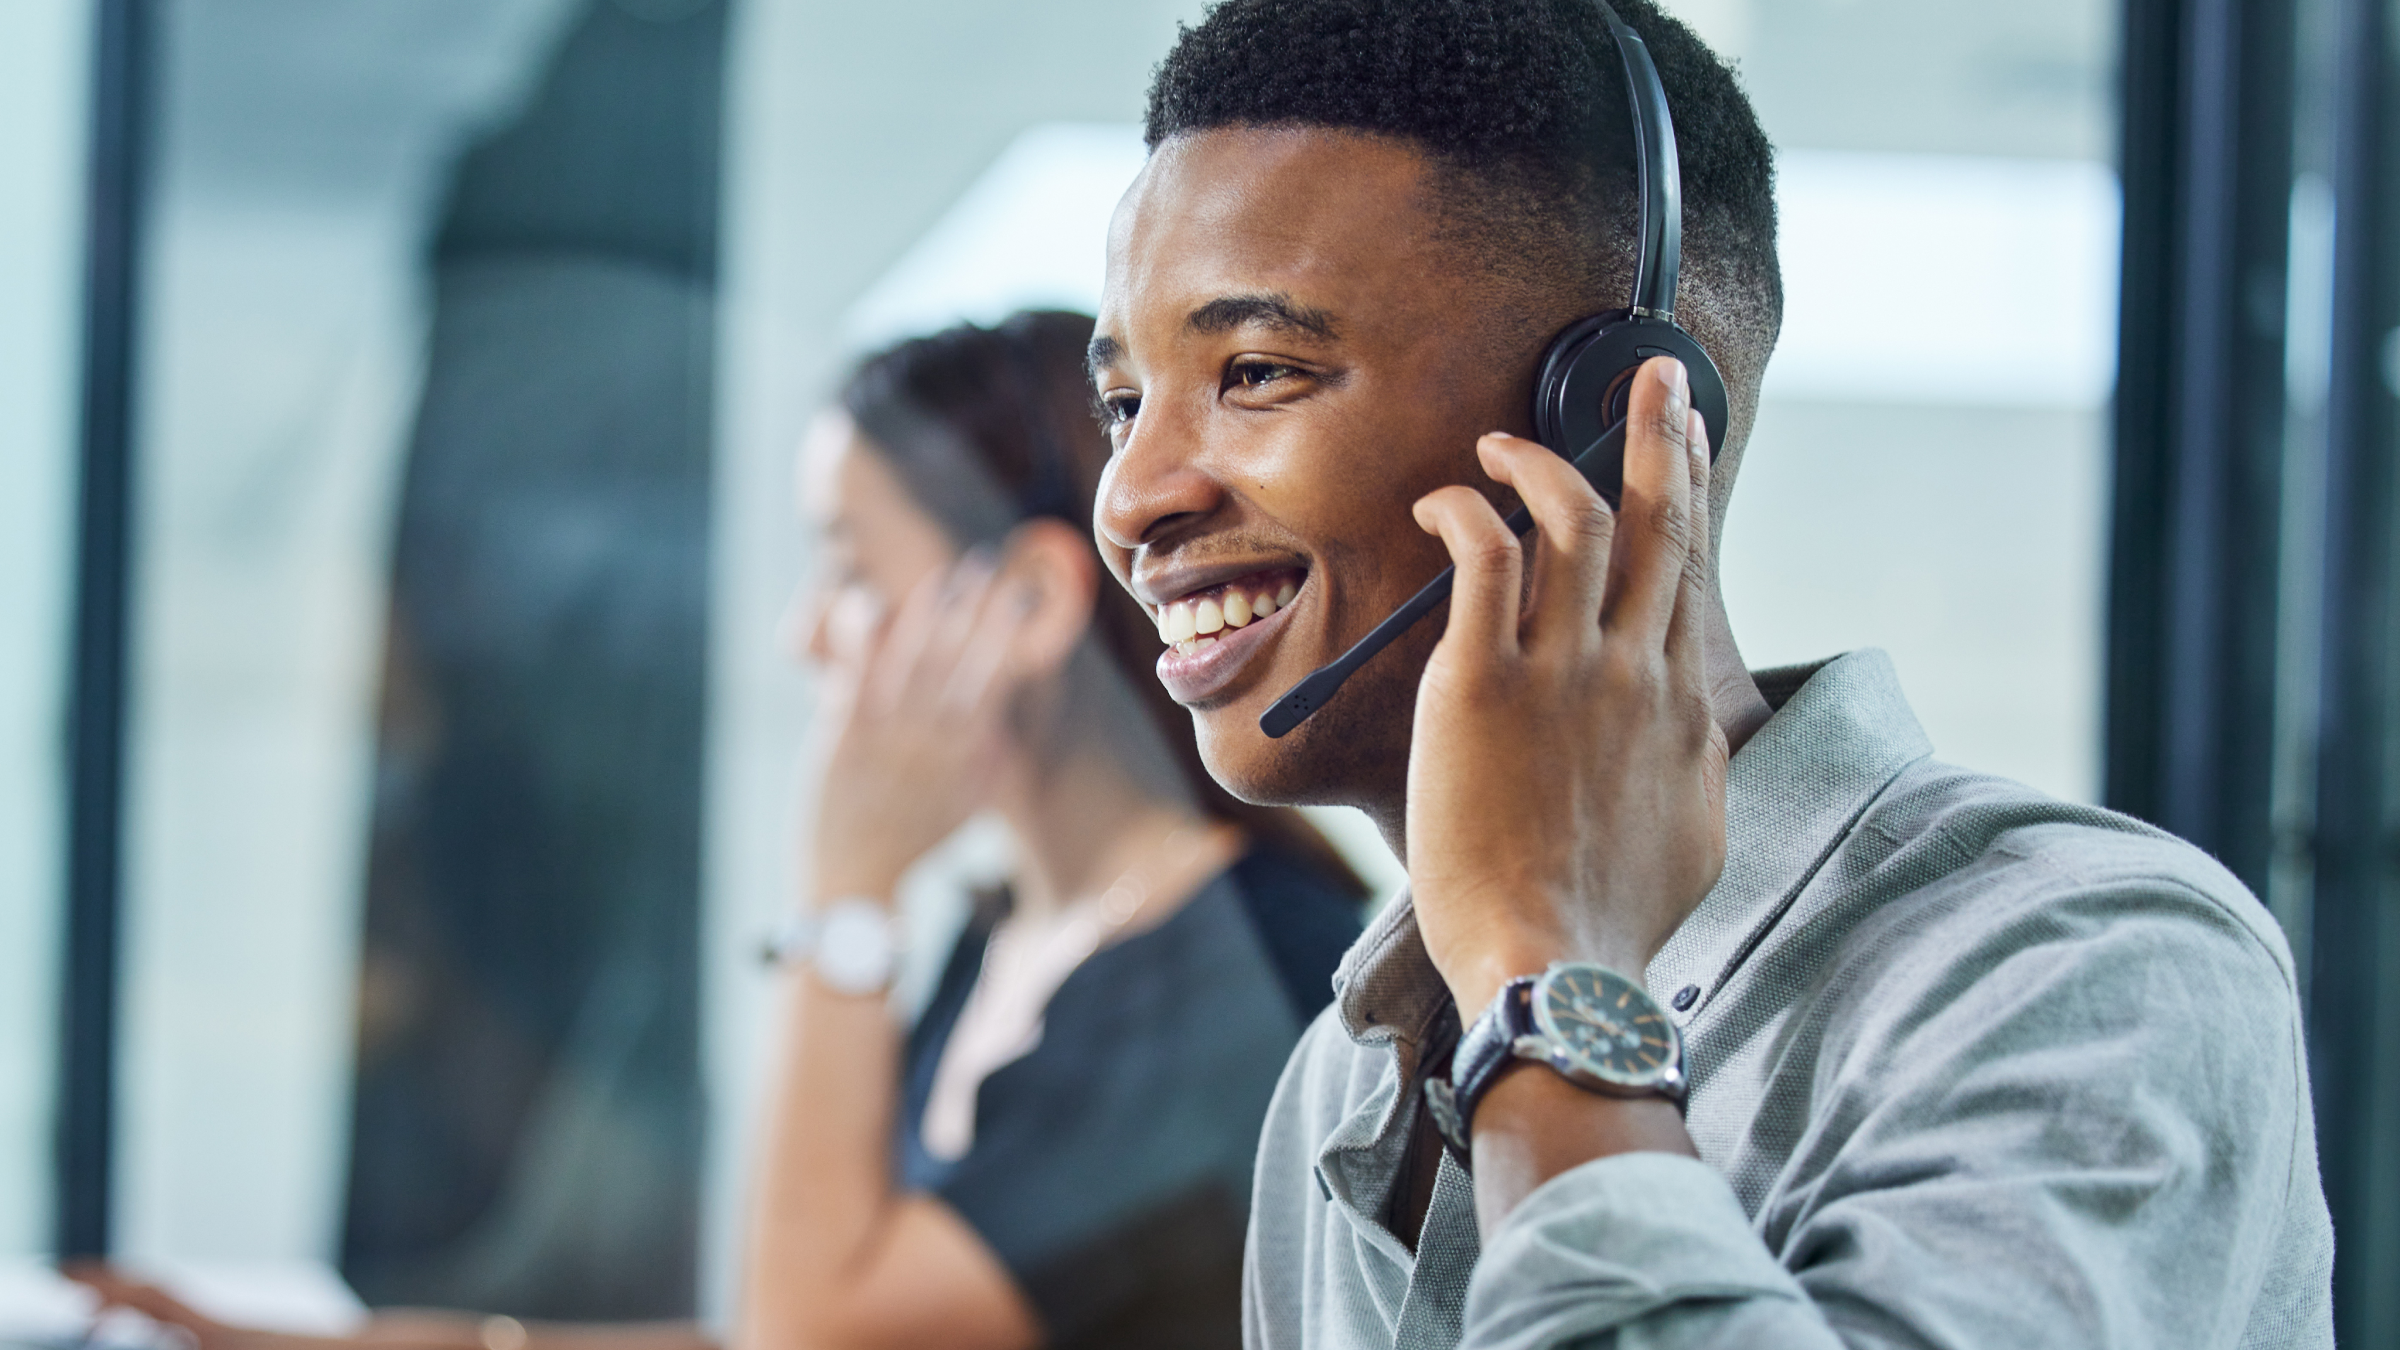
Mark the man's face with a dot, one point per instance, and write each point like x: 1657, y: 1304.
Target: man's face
x: 1290, y: 358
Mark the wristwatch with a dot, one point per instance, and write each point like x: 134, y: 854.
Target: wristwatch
x: 853, y: 942
x: 1589, y: 1024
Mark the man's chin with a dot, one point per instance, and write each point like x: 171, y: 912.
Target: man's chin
x: 1245, y: 762
x: 1335, y: 758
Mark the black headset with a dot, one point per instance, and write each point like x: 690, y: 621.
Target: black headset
x: 1587, y: 373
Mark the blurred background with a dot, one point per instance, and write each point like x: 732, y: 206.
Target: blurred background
x: 396, y: 407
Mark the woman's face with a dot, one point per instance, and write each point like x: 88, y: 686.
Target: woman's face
x: 877, y: 545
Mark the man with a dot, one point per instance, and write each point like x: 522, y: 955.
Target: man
x: 1966, y: 1066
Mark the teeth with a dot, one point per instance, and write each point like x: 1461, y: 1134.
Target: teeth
x: 1191, y: 645
x: 1185, y: 620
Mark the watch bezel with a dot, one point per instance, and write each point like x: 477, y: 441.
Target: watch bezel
x: 1556, y: 1045
x: 855, y: 948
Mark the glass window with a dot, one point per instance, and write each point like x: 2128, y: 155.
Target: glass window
x: 413, y: 846
x: 1929, y: 470
x: 43, y: 66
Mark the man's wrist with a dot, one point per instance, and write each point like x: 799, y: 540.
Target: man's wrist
x: 1475, y: 979
x: 1503, y: 947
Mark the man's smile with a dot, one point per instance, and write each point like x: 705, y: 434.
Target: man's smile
x: 1212, y: 628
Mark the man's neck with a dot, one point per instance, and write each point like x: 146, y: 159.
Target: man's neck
x: 1734, y: 698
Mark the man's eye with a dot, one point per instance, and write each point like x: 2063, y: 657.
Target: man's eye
x: 1252, y: 374
x: 1119, y: 407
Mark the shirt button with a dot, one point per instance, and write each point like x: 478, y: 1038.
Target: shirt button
x: 1686, y: 997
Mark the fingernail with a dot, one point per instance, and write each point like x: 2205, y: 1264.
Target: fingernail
x: 1695, y: 432
x: 1677, y: 381
x: 975, y: 568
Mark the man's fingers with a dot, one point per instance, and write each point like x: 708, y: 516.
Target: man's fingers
x: 1686, y: 631
x: 1490, y: 563
x: 1573, y: 528
x: 1654, y: 526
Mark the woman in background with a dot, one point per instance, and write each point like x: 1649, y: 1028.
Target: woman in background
x: 1059, y: 1153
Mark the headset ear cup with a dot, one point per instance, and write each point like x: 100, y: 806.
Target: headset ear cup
x: 1618, y: 401
x: 1585, y: 381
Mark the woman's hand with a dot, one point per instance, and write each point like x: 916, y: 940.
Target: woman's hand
x: 915, y: 711
x: 117, y: 1290
x: 1566, y: 783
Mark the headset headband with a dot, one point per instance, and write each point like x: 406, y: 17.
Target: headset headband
x: 1659, y: 179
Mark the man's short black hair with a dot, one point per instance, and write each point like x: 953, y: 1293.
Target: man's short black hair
x: 1523, y: 102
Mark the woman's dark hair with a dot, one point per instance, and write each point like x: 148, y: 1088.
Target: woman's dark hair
x: 992, y: 427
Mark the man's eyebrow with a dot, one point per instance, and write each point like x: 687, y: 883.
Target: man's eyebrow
x: 1276, y: 311
x: 1226, y: 313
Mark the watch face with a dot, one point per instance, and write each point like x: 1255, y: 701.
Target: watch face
x: 1606, y: 1025
x: 855, y: 952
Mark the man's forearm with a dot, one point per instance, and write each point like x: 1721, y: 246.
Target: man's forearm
x: 1534, y: 1125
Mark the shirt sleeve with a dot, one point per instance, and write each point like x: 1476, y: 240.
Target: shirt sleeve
x: 2078, y: 1124
x: 1645, y: 1249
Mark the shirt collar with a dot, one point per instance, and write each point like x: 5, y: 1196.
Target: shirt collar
x: 1841, y: 732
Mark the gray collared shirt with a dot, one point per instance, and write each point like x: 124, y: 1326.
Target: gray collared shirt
x: 1969, y: 1067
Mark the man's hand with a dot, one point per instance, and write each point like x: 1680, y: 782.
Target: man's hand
x: 1566, y: 783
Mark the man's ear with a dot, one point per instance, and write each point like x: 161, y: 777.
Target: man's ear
x: 1052, y: 568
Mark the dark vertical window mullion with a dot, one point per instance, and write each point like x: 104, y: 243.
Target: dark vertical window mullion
x: 2152, y: 71
x: 2355, y: 1049
x: 85, y: 1106
x: 2199, y: 421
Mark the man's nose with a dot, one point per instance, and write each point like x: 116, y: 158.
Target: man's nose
x: 1158, y: 479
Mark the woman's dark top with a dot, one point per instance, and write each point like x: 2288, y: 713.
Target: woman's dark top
x: 1110, y: 1168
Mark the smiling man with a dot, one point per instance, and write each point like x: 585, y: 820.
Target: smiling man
x: 1745, y: 1020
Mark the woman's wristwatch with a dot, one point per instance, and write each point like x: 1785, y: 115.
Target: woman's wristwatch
x: 1589, y: 1024
x: 853, y: 943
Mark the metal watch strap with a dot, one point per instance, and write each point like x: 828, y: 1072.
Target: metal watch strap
x: 1486, y: 1050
